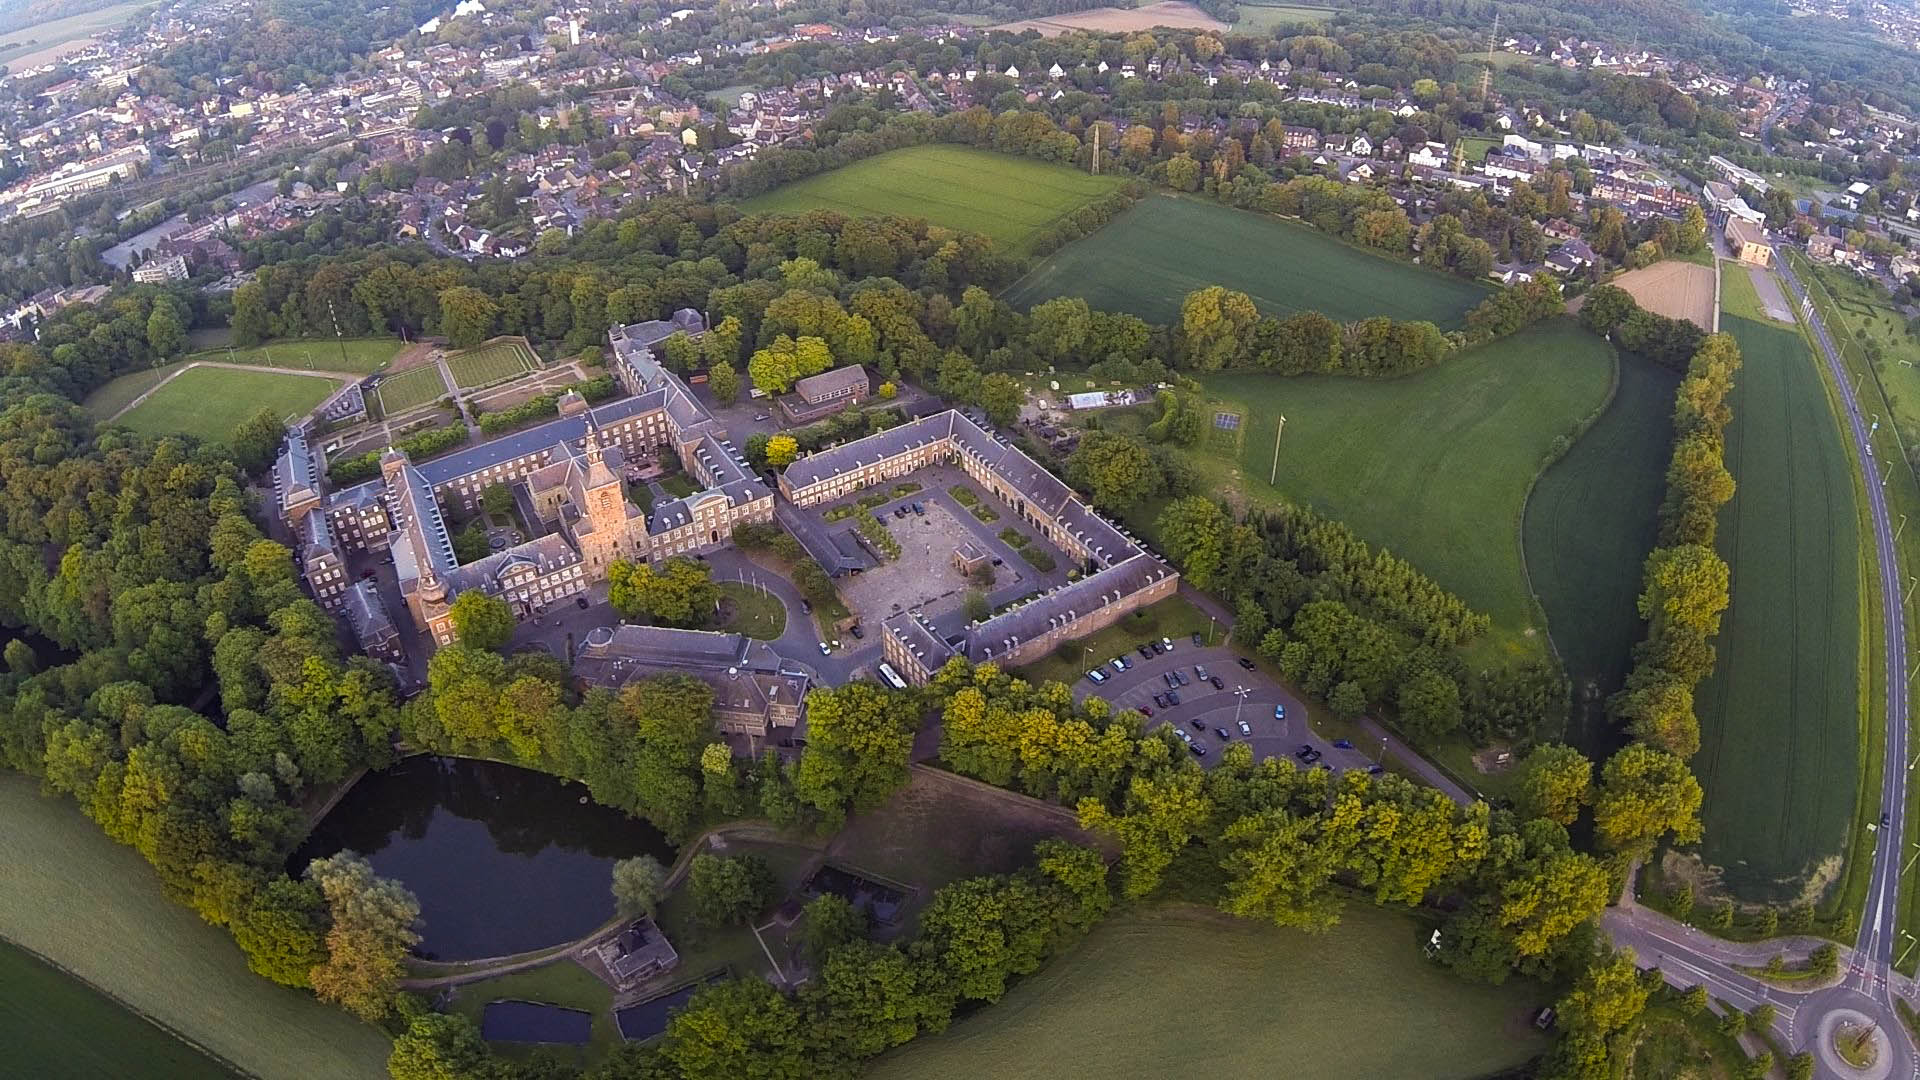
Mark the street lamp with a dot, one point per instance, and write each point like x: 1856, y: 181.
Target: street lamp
x: 1240, y: 693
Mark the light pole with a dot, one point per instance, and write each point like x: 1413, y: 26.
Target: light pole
x: 1210, y: 622
x: 1240, y: 694
x: 1382, y: 759
x: 1903, y: 525
x: 1273, y: 474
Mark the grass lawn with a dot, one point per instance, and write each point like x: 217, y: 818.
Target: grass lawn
x: 362, y: 356
x: 55, y: 1025
x: 1434, y: 466
x: 1185, y: 992
x: 210, y: 402
x: 755, y: 614
x: 704, y: 949
x: 94, y: 907
x: 1779, y: 717
x: 493, y: 362
x: 679, y: 485
x: 1590, y: 522
x: 1862, y: 320
x: 1172, y: 618
x: 411, y: 388
x: 563, y: 983
x: 1008, y: 199
x: 1148, y: 259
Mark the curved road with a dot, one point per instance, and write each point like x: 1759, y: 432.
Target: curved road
x: 1867, y: 983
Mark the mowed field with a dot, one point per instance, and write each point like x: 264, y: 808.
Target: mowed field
x: 1677, y: 290
x: 208, y: 402
x: 1148, y: 259
x: 1187, y: 993
x: 363, y: 356
x: 1779, y: 717
x: 1590, y: 522
x: 31, y: 46
x: 52, y: 1024
x: 410, y: 388
x: 94, y: 907
x: 1436, y: 465
x: 1008, y: 199
x: 1262, y: 18
x: 493, y: 362
x: 1109, y: 20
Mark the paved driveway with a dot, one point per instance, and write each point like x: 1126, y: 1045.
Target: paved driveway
x: 1199, y: 701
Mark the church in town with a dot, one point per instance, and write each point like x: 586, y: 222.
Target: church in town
x: 569, y: 481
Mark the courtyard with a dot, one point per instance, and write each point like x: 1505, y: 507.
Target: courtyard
x: 925, y: 576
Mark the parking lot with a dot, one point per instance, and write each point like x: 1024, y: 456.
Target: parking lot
x: 1213, y: 709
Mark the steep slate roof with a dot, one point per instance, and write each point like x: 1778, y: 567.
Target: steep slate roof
x: 1003, y: 633
x: 829, y: 383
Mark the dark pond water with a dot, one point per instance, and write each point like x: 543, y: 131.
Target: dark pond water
x: 503, y: 859
x: 644, y: 1021
x: 528, y: 1022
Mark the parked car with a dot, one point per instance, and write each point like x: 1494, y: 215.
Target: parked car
x: 1168, y: 642
x: 1197, y: 724
x: 1246, y: 729
x: 1145, y: 653
x: 582, y: 602
x: 899, y: 511
x: 367, y: 574
x: 1160, y: 700
x: 1222, y: 732
x: 1097, y: 675
x: 1343, y: 744
x: 1168, y: 676
x: 1184, y: 737
x: 1200, y: 670
x: 1173, y: 697
x: 825, y: 650
x: 1198, y: 750
x: 1279, y: 712
x: 1217, y: 684
x: 1179, y: 677
x: 856, y: 631
x: 1244, y: 662
x: 760, y: 417
x: 806, y: 606
x: 1157, y: 647
x: 1375, y: 770
x: 1119, y: 664
x: 1146, y: 710
x: 1305, y: 749
x: 919, y: 509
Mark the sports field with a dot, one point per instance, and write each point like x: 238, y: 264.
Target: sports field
x: 1435, y: 465
x: 94, y: 907
x: 52, y: 1024
x: 363, y: 355
x: 1590, y: 522
x: 1191, y: 993
x: 1148, y: 259
x: 208, y: 402
x: 1008, y: 199
x: 489, y: 363
x: 410, y: 388
x: 1779, y: 717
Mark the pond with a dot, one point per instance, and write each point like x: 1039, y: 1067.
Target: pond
x: 503, y: 859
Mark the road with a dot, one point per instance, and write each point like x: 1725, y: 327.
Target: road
x: 1868, y: 983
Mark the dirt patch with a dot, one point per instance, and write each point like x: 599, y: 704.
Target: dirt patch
x: 1678, y: 290
x: 1180, y: 16
x: 1492, y: 760
x: 1705, y: 879
x: 409, y: 356
x: 517, y: 394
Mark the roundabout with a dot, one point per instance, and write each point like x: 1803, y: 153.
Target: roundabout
x: 1852, y: 1044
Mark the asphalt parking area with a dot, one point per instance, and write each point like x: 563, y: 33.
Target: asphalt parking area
x: 1211, y: 709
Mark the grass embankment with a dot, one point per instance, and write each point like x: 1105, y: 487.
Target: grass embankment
x: 1007, y: 199
x: 1185, y: 992
x: 1590, y: 521
x: 95, y: 908
x: 52, y: 1024
x: 1149, y: 258
x: 1781, y: 741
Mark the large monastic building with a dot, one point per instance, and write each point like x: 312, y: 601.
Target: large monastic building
x: 569, y: 479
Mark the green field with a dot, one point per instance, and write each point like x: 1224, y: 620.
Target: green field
x: 411, y: 388
x: 1264, y: 18
x: 1779, y: 717
x: 494, y: 362
x: 1007, y: 199
x: 1862, y: 320
x: 94, y: 907
x: 363, y: 355
x: 1435, y: 465
x: 755, y: 614
x: 1590, y: 522
x: 52, y: 1024
x: 207, y: 402
x: 1148, y: 259
x: 1194, y: 994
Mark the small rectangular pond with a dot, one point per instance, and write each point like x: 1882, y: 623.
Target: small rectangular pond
x: 531, y: 1022
x: 644, y: 1021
